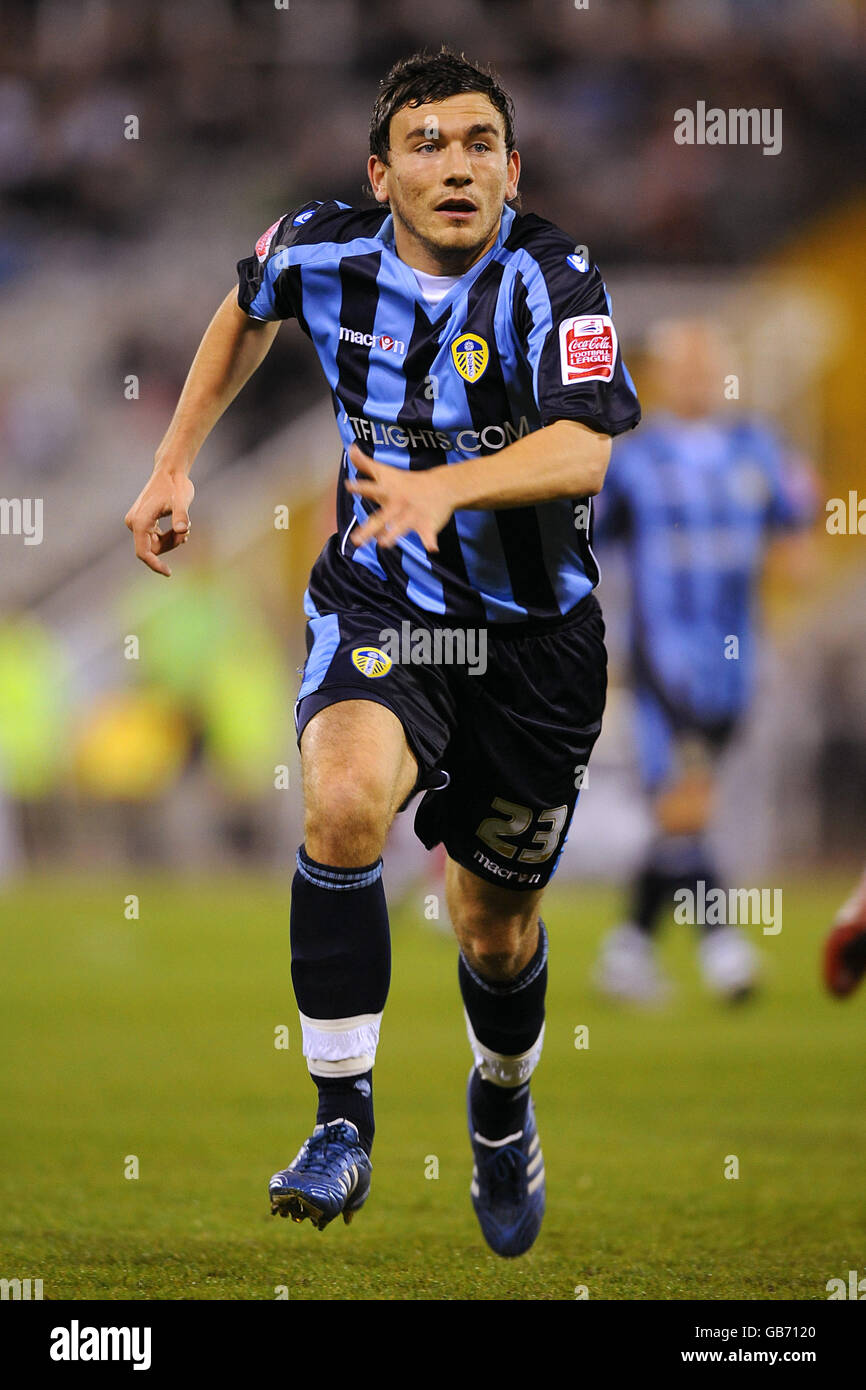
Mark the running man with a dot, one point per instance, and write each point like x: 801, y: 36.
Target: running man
x: 477, y: 383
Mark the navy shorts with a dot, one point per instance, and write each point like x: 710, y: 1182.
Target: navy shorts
x: 502, y: 722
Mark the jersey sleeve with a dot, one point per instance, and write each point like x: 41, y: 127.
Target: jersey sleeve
x: 611, y: 508
x: 793, y: 497
x: 265, y: 285
x: 572, y: 346
x: 791, y: 491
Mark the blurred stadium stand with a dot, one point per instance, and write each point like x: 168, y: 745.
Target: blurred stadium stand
x: 114, y: 252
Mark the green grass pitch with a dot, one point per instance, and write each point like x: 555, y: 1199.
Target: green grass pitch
x: 154, y: 1038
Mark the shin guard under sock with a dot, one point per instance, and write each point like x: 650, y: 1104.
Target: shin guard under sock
x: 505, y: 1023
x: 341, y: 969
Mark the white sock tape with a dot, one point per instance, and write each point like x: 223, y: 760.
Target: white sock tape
x: 501, y: 1069
x: 340, y: 1046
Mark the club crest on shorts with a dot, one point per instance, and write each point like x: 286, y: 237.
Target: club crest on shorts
x: 371, y: 661
x: 471, y: 355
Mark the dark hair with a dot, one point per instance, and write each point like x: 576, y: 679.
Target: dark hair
x: 432, y: 77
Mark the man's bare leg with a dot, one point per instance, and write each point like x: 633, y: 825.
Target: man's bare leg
x: 357, y: 771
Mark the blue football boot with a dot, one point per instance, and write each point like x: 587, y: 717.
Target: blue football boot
x: 330, y: 1175
x: 508, y: 1185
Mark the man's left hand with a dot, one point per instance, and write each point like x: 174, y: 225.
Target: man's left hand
x: 407, y: 501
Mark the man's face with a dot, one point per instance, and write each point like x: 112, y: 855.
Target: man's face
x: 447, y: 181
x: 687, y: 359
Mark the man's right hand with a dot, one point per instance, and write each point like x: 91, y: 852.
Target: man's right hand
x: 165, y: 494
x: 233, y: 346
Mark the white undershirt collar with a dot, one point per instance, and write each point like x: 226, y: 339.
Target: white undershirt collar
x: 434, y: 287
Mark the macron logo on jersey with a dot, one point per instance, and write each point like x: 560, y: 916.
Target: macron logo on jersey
x: 379, y: 340
x: 587, y: 349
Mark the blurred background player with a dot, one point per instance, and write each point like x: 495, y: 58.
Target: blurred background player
x: 695, y: 499
x: 845, y: 946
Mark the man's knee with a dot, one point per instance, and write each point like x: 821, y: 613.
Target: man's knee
x: 357, y: 770
x: 497, y: 951
x: 497, y: 928
x: 347, y: 825
x: 685, y: 805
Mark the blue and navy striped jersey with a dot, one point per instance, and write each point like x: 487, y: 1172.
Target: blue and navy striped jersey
x: 694, y: 503
x: 524, y: 338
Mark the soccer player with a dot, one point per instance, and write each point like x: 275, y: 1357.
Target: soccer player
x: 477, y: 382
x: 845, y: 946
x: 695, y: 499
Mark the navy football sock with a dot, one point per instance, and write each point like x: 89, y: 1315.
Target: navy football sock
x: 675, y: 862
x: 652, y: 892
x: 506, y: 1027
x: 498, y: 1111
x: 348, y: 1098
x: 341, y: 969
